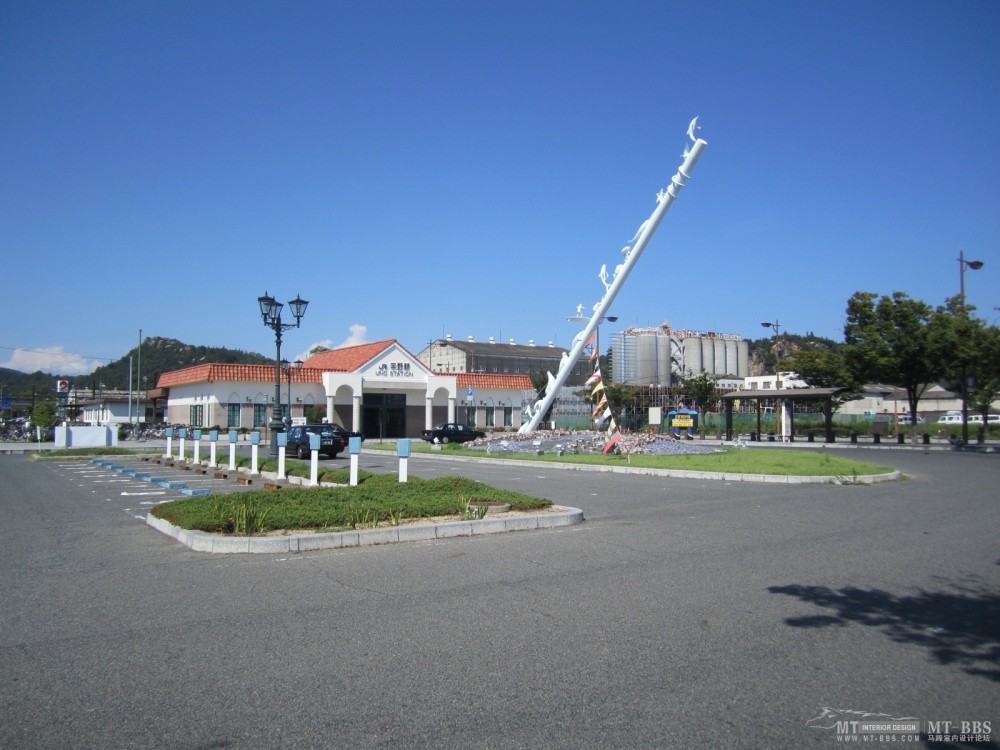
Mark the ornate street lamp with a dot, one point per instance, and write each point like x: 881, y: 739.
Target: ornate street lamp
x: 270, y: 313
x: 975, y: 265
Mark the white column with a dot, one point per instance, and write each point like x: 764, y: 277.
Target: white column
x: 428, y: 412
x: 451, y: 408
x: 356, y: 412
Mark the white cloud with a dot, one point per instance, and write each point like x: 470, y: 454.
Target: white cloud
x: 357, y: 336
x: 50, y: 359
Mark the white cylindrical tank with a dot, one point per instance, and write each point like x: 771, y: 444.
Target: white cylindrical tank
x: 663, y: 350
x: 732, y: 360
x: 692, y: 355
x: 707, y: 354
x: 743, y: 360
x: 646, y: 355
x: 720, y: 357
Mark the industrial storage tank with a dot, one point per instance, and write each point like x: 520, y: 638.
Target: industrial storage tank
x: 707, y: 355
x: 692, y: 355
x: 664, y: 349
x: 743, y: 361
x: 732, y: 360
x: 645, y: 371
x: 720, y: 357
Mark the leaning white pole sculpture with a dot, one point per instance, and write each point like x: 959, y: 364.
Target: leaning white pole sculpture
x: 631, y: 251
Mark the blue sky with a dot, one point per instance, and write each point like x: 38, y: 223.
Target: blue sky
x: 420, y: 169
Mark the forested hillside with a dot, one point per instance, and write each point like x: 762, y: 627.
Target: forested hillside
x: 158, y: 355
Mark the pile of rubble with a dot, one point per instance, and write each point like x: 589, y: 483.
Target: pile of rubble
x: 577, y: 441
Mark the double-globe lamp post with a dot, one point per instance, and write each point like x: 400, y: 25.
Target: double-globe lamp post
x: 270, y: 312
x: 975, y: 265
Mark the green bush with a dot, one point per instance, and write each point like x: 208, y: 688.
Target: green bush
x: 381, y: 498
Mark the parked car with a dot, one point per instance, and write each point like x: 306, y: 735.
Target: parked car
x: 345, y: 433
x: 333, y: 439
x: 907, y: 419
x: 950, y: 418
x: 451, y: 432
x: 990, y: 419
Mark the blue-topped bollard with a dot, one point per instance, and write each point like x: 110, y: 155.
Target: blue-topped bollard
x: 254, y: 450
x: 403, y: 448
x: 282, y: 450
x: 233, y: 437
x: 315, y: 441
x: 354, y: 447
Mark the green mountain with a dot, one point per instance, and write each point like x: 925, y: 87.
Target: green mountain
x: 158, y: 355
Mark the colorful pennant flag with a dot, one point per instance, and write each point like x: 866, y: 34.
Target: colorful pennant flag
x: 611, y: 443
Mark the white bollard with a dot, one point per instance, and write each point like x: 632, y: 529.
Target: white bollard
x: 282, y: 448
x: 403, y: 447
x: 234, y: 437
x: 254, y: 449
x: 314, y: 441
x: 354, y: 446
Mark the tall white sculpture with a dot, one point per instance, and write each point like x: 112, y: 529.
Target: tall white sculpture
x: 631, y: 251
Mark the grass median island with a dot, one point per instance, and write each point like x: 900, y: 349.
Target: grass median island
x: 777, y: 461
x: 379, y: 499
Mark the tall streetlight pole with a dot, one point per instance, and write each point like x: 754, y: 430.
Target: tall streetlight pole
x: 270, y: 313
x: 777, y: 352
x: 289, y: 368
x: 975, y: 265
x: 779, y: 412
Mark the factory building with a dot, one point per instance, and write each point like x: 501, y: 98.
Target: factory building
x: 662, y: 355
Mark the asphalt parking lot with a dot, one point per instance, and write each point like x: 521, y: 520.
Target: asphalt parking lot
x: 681, y: 613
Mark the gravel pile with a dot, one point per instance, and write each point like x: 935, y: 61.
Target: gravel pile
x: 587, y: 442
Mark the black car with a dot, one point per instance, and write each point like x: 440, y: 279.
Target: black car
x: 345, y: 433
x: 451, y: 432
x: 333, y: 439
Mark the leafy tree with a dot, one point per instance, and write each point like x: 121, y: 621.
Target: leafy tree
x: 895, y: 340
x: 984, y: 375
x: 825, y: 368
x: 974, y: 364
x: 700, y: 389
x: 44, y: 415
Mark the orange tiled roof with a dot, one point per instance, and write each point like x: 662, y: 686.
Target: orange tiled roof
x: 349, y: 358
x: 502, y: 382
x: 229, y: 372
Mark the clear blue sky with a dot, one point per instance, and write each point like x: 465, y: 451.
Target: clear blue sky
x: 418, y: 169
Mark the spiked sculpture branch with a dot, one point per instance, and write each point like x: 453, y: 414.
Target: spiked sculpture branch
x: 631, y: 251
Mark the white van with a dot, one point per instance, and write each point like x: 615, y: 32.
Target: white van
x: 990, y: 419
x: 952, y: 417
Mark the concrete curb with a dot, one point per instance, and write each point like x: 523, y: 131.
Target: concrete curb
x: 675, y: 473
x: 200, y: 541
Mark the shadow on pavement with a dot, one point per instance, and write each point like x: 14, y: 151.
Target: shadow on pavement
x: 957, y: 627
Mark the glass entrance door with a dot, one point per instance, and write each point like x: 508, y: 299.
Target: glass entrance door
x: 383, y: 415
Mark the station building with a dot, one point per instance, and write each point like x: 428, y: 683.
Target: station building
x: 380, y: 389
